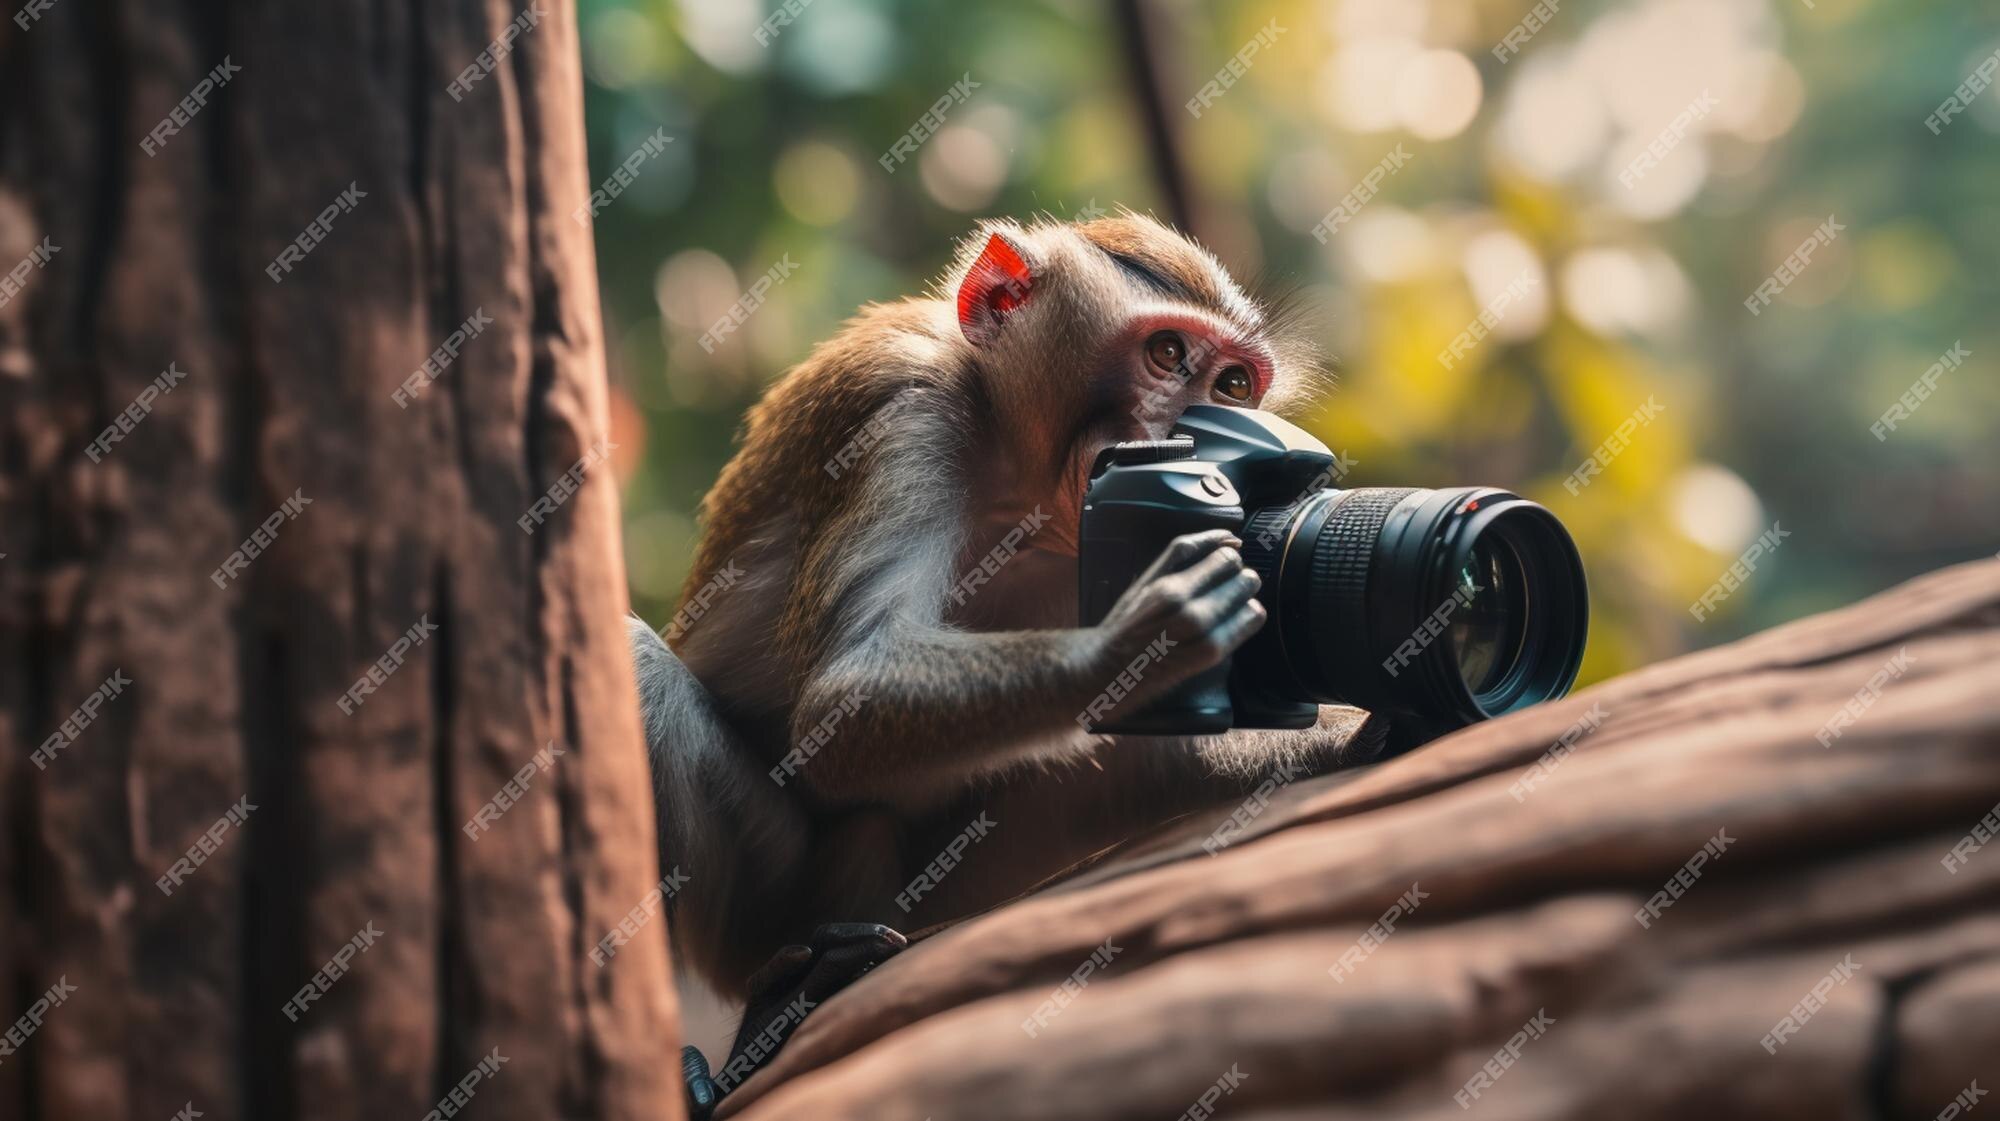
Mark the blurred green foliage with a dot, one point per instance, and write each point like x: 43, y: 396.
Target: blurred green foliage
x: 1787, y: 112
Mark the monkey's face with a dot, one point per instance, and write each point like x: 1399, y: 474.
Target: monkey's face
x: 1087, y: 335
x: 1164, y: 359
x: 1143, y: 373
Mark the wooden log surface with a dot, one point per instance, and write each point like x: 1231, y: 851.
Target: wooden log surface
x: 1828, y: 866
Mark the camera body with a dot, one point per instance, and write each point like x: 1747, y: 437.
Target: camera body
x: 1211, y: 475
x: 1442, y: 606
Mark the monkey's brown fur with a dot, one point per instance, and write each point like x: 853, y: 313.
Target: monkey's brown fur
x: 837, y: 603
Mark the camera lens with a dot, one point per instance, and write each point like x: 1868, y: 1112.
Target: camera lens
x: 1449, y: 605
x: 1486, y: 633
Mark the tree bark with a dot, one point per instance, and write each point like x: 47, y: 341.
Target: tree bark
x: 1375, y: 943
x: 188, y: 852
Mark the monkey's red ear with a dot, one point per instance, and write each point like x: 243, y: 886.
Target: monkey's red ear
x: 997, y: 283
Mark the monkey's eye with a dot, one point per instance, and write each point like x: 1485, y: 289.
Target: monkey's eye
x: 1234, y: 383
x: 1165, y: 350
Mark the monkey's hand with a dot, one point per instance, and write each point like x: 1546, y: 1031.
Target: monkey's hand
x: 1198, y: 596
x: 794, y: 982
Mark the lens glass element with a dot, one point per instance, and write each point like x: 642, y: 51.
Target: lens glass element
x: 1492, y: 613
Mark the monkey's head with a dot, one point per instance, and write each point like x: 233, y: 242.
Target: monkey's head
x: 1086, y: 334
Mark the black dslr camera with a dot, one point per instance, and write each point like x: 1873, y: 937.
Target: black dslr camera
x: 1441, y: 607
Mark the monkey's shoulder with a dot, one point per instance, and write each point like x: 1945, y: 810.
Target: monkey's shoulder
x: 897, y: 375
x: 904, y: 355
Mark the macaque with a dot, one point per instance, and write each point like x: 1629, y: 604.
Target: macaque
x: 870, y: 709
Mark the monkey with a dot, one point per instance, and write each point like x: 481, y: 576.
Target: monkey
x: 878, y: 647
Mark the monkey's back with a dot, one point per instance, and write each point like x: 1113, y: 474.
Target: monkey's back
x: 790, y: 478
x: 819, y: 406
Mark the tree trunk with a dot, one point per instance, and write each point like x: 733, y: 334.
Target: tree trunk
x: 236, y: 822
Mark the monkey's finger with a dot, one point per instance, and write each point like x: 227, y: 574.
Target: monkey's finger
x: 1237, y: 629
x: 852, y: 948
x: 1203, y: 614
x: 830, y: 935
x: 1186, y: 549
x: 783, y: 971
x: 839, y: 967
x: 1240, y: 588
x: 1212, y: 572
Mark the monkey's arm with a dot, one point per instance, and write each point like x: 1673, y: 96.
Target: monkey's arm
x: 926, y: 705
x: 1341, y: 737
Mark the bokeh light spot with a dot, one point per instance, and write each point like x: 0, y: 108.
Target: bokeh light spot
x: 816, y: 182
x: 1438, y: 94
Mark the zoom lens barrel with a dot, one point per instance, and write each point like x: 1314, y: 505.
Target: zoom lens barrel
x: 1452, y: 605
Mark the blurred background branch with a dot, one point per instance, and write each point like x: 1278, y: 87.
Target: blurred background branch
x: 1140, y: 37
